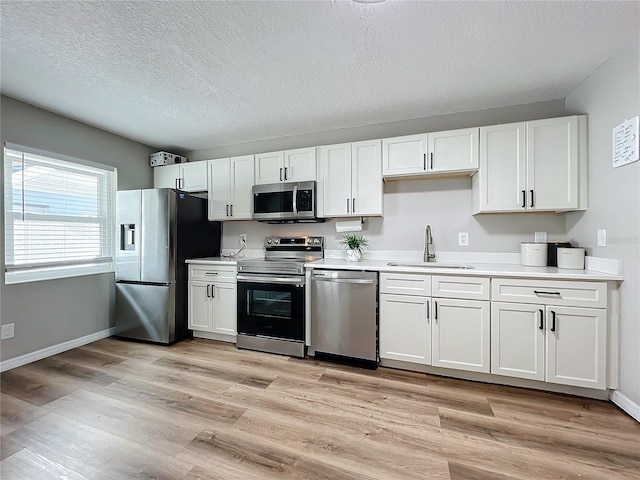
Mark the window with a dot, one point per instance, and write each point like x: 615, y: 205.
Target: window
x: 59, y: 215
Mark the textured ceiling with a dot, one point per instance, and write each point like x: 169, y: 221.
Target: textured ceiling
x: 192, y: 75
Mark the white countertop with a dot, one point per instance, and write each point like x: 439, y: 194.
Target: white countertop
x: 213, y: 261
x: 479, y: 269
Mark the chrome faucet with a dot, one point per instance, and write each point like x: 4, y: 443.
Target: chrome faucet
x: 428, y: 245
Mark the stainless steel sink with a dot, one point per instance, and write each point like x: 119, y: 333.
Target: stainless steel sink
x: 429, y: 265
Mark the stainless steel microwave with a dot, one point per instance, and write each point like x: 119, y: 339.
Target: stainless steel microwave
x: 285, y: 202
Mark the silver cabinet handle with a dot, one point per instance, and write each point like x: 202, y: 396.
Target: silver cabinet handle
x: 347, y: 205
x: 181, y: 183
x: 353, y: 205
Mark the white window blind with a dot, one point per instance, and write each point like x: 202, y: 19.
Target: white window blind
x: 59, y: 215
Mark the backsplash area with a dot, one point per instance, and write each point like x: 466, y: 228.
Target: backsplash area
x: 410, y: 205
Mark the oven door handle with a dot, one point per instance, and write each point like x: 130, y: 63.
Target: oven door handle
x: 271, y: 279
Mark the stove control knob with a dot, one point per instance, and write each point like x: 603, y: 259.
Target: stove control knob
x: 276, y: 241
x: 269, y: 241
x: 316, y: 241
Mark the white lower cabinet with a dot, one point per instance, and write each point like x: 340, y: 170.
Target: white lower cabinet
x: 460, y: 334
x: 405, y: 328
x: 443, y: 332
x: 551, y: 343
x: 212, y: 299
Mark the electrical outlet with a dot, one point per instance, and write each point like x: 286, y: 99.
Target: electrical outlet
x: 540, y: 237
x: 8, y: 330
x: 602, y: 238
x: 243, y: 238
x: 463, y: 239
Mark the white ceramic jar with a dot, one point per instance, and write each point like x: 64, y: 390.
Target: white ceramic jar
x: 533, y: 254
x: 571, y: 258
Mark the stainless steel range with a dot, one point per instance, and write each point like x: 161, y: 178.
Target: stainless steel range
x: 271, y: 295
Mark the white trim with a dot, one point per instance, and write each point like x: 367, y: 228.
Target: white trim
x: 604, y: 265
x: 54, y: 349
x: 214, y: 336
x: 626, y: 404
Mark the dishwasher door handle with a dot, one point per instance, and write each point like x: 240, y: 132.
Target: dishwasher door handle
x: 343, y: 280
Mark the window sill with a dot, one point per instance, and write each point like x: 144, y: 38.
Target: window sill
x: 28, y: 276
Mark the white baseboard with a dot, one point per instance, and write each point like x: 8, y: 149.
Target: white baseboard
x: 214, y: 336
x: 54, y: 349
x: 626, y: 404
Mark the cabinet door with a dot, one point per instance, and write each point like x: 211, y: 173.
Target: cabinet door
x: 460, y: 334
x: 517, y: 340
x: 166, y: 177
x: 405, y: 329
x: 224, y: 308
x: 552, y: 164
x: 502, y: 176
x: 300, y: 165
x: 576, y: 343
x: 269, y: 168
x: 193, y: 176
x: 199, y: 307
x: 335, y: 179
x: 453, y: 150
x: 219, y: 189
x: 366, y: 178
x: 404, y: 155
x: 241, y: 198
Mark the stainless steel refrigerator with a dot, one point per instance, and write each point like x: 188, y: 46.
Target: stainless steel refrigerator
x: 158, y: 229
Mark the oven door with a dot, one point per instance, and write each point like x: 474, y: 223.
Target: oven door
x: 271, y: 306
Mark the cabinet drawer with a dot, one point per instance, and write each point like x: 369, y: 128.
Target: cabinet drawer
x: 405, y: 284
x: 210, y: 273
x: 550, y: 292
x: 471, y: 288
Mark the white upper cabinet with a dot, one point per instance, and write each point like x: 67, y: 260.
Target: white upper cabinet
x: 532, y: 166
x: 406, y: 155
x: 297, y: 165
x: 453, y: 151
x: 350, y: 179
x: 188, y: 177
x: 230, y: 182
x: 437, y: 153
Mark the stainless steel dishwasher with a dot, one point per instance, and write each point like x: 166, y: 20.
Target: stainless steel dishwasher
x: 344, y: 314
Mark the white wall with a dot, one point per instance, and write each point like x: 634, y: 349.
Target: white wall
x: 610, y: 96
x: 51, y: 312
x: 409, y: 205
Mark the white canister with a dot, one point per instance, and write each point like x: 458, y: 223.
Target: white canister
x: 571, y: 258
x: 533, y: 254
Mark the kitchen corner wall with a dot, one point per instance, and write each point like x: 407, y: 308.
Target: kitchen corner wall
x: 52, y: 312
x: 610, y: 96
x: 409, y: 205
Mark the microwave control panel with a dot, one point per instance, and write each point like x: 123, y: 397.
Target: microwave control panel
x: 305, y: 200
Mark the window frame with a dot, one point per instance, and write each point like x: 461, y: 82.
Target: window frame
x: 46, y: 271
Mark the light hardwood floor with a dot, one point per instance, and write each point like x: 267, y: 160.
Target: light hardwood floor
x: 204, y: 410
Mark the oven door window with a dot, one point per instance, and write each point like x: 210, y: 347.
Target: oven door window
x: 271, y: 310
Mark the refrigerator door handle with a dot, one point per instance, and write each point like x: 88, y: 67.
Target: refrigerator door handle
x: 127, y: 236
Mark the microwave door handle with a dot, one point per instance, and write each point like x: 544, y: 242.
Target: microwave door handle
x: 295, y: 200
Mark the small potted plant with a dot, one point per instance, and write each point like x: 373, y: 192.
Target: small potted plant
x: 354, y: 245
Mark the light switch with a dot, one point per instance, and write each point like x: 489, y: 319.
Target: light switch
x: 540, y: 237
x: 602, y: 238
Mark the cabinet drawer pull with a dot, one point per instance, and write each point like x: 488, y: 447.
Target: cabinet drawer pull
x: 538, y: 292
x: 553, y: 321
x: 524, y: 199
x: 541, y: 324
x: 210, y: 273
x: 532, y: 203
